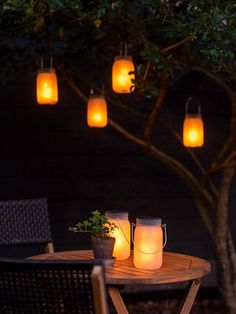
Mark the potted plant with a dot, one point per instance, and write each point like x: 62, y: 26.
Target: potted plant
x: 100, y: 229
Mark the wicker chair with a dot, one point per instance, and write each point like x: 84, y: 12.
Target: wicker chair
x: 52, y: 286
x: 25, y: 222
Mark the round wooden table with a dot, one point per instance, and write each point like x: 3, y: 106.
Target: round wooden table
x: 176, y: 268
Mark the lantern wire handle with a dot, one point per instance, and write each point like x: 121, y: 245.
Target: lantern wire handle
x: 187, y: 105
x: 117, y: 220
x: 126, y: 49
x: 51, y: 61
x: 91, y: 91
x: 41, y: 63
x: 102, y: 89
x: 148, y: 253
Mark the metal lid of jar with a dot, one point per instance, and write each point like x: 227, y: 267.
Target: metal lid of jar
x: 46, y: 70
x: 94, y: 96
x: 193, y: 116
x: 124, y: 58
x: 115, y: 214
x: 148, y: 221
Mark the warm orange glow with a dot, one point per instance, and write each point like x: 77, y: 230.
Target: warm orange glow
x: 47, y: 90
x: 97, y: 111
x: 148, y: 242
x: 193, y: 131
x: 122, y: 234
x: 121, y: 77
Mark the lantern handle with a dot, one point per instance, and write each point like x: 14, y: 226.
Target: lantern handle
x: 126, y: 48
x: 117, y: 219
x: 148, y: 253
x: 187, y: 105
x: 51, y: 61
x: 103, y: 88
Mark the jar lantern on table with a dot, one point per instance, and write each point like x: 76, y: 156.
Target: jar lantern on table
x: 121, y: 234
x: 148, y: 243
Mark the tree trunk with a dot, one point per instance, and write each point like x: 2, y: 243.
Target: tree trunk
x: 223, y: 255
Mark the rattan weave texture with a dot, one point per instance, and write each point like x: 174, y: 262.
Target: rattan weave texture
x: 24, y: 221
x: 46, y: 287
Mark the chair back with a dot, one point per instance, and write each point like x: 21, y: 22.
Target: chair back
x: 24, y: 222
x: 52, y: 286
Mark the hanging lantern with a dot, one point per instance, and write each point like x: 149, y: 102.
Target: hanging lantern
x: 47, y: 90
x: 121, y: 234
x: 193, y: 134
x: 123, y: 74
x: 193, y: 129
x: 148, y: 243
x: 97, y: 111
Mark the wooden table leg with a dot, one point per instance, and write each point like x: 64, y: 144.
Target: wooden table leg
x: 117, y: 300
x: 190, y: 296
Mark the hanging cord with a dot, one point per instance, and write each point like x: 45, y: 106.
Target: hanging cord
x: 102, y: 89
x: 126, y: 49
x: 47, y: 23
x: 194, y: 93
x: 124, y: 34
x: 51, y: 61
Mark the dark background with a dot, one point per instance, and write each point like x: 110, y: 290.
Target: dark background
x: 48, y: 151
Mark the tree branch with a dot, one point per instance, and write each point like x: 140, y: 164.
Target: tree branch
x: 109, y: 98
x: 192, y: 182
x: 171, y: 47
x: 224, y: 165
x: 158, y: 103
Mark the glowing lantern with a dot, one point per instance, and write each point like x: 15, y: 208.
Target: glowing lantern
x: 193, y: 133
x: 97, y: 111
x: 193, y: 129
x: 148, y: 243
x: 47, y: 90
x: 123, y: 74
x: 121, y: 234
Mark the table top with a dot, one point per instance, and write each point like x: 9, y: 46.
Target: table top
x: 176, y: 268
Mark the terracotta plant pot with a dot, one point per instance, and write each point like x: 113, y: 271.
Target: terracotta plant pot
x: 103, y: 248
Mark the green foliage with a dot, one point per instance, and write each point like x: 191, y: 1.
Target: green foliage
x: 169, y: 35
x: 98, y: 225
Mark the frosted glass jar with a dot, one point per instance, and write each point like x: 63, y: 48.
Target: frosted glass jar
x: 148, y: 243
x: 121, y: 234
x: 123, y: 75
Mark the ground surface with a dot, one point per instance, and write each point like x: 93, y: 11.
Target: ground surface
x: 207, y: 302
